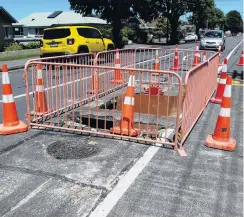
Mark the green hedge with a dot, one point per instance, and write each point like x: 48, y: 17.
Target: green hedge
x: 16, y: 46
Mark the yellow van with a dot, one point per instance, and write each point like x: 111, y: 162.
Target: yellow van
x: 66, y: 40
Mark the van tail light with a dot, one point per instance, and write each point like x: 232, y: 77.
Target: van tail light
x: 41, y: 43
x: 70, y: 41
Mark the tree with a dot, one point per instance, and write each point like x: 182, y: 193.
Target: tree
x: 161, y: 28
x: 201, y: 12
x: 234, y: 21
x: 115, y: 12
x: 173, y: 9
x: 217, y: 18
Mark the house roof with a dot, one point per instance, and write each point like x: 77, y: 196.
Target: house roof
x: 8, y: 15
x: 64, y: 18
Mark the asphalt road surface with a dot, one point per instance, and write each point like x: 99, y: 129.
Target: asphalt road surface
x: 45, y: 173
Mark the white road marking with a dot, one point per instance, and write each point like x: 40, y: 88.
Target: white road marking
x: 104, y: 208
x: 27, y: 198
x: 229, y: 55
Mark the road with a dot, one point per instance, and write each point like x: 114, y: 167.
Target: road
x: 114, y: 178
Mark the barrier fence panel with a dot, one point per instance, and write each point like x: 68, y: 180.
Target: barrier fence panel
x: 63, y: 99
x: 82, y: 58
x: 115, y: 58
x: 200, y: 84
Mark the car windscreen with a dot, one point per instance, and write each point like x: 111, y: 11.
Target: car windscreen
x: 213, y: 34
x: 56, y: 33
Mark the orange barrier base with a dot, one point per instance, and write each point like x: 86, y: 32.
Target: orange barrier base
x: 125, y: 132
x: 175, y: 68
x: 216, y: 100
x: 21, y: 127
x: 227, y: 145
x: 116, y: 81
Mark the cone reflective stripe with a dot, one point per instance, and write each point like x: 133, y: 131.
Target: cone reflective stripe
x: 221, y: 138
x: 241, y: 61
x: 117, y: 73
x: 11, y: 123
x: 176, y: 61
x: 221, y: 87
x: 40, y: 97
x: 126, y: 126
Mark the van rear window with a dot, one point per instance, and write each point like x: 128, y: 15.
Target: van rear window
x: 56, y: 33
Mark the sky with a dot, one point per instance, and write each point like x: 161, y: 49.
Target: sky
x: 22, y: 8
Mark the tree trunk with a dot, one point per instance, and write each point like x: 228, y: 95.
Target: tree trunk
x: 174, y: 36
x: 197, y: 29
x: 117, y: 35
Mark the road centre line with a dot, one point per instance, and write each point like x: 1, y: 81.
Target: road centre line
x: 229, y: 55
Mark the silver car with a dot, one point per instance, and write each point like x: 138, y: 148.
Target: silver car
x: 212, y: 39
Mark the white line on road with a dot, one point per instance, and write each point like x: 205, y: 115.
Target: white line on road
x: 229, y: 55
x: 104, y: 208
x: 27, y: 198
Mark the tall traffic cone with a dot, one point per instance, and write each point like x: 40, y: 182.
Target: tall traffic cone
x: 39, y: 95
x: 204, y: 56
x: 156, y: 64
x: 95, y: 84
x: 126, y: 126
x: 221, y: 87
x: 219, y: 51
x: 175, y: 66
x: 196, y: 56
x: 11, y: 123
x: 241, y: 61
x: 221, y: 137
x: 117, y: 73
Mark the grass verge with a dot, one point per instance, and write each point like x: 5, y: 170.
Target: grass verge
x: 19, y: 57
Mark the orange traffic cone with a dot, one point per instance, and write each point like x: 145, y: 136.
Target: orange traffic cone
x: 241, y: 61
x: 176, y: 67
x: 39, y: 95
x: 126, y: 126
x: 204, y: 56
x: 221, y: 137
x: 11, y: 123
x: 95, y: 89
x: 219, y: 51
x: 221, y: 87
x: 196, y: 56
x: 156, y: 64
x: 117, y: 74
